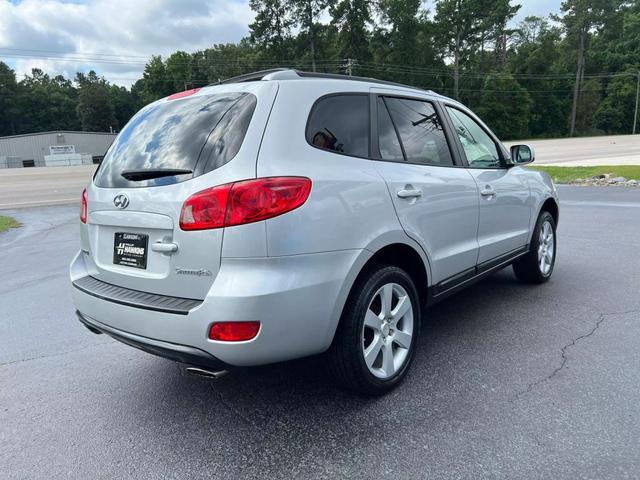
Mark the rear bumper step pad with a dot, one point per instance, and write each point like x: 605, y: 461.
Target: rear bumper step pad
x: 135, y: 298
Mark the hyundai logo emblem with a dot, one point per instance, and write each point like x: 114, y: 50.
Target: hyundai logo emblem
x: 121, y: 201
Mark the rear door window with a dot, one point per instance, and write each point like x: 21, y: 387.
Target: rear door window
x: 197, y: 134
x: 340, y: 123
x: 420, y: 130
x: 388, y: 142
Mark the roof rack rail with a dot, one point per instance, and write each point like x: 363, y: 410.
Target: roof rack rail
x: 250, y: 77
x: 338, y: 76
x: 289, y: 73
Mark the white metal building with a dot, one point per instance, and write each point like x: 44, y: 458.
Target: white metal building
x: 53, y: 149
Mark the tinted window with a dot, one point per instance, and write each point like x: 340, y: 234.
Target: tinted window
x: 198, y: 133
x: 340, y: 123
x: 387, y: 138
x: 479, y: 147
x: 420, y: 131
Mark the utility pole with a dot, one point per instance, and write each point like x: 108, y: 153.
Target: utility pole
x: 635, y: 113
x: 350, y: 63
x: 577, y: 86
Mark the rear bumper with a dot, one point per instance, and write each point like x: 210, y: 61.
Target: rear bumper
x: 172, y: 351
x: 298, y: 300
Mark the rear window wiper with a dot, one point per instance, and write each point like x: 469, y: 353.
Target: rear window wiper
x: 149, y: 173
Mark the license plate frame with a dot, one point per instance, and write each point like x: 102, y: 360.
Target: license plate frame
x: 130, y: 249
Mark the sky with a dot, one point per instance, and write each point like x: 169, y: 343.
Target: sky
x: 116, y: 37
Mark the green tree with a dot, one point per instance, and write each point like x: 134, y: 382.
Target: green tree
x: 154, y: 83
x: 271, y: 28
x: 46, y: 104
x: 95, y: 108
x: 178, y: 73
x: 506, y: 107
x: 352, y: 18
x: 581, y: 19
x: 305, y: 14
x: 8, y: 100
x: 615, y: 113
x: 124, y: 105
x: 538, y: 60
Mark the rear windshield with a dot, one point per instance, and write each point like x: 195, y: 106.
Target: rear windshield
x: 196, y: 134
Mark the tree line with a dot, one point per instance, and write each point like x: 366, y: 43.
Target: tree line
x: 572, y: 73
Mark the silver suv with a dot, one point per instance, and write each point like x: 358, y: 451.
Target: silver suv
x: 283, y: 214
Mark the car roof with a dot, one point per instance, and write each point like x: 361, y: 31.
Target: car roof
x: 287, y: 74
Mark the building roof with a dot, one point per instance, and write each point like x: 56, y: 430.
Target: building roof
x: 55, y: 132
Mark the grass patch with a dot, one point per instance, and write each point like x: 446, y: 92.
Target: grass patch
x: 7, y: 222
x: 568, y: 174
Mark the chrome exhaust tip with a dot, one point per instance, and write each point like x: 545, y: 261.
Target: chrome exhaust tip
x: 201, y: 372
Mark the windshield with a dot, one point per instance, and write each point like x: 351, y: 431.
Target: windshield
x: 193, y: 135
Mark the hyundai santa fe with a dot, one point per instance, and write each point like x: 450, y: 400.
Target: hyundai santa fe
x: 284, y: 214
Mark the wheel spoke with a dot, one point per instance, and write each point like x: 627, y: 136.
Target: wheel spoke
x: 373, y: 350
x: 387, y: 360
x: 402, y: 338
x: 372, y: 320
x: 386, y: 296
x: 404, y: 304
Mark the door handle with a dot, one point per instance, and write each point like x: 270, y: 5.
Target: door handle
x: 409, y: 193
x: 488, y: 191
x: 164, y: 247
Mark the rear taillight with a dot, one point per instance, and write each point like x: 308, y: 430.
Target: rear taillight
x: 243, y: 202
x: 234, y: 331
x: 83, y: 207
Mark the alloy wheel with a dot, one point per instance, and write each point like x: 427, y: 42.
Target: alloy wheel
x: 546, y: 248
x: 387, y: 331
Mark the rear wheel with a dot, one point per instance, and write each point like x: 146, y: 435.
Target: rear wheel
x: 537, y: 265
x: 375, y: 341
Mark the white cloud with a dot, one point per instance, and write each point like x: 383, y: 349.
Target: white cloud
x: 128, y: 30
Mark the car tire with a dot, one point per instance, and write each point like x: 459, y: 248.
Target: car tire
x: 376, y: 338
x: 537, y: 265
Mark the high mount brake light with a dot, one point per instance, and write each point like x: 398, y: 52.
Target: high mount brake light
x: 186, y: 93
x: 243, y: 202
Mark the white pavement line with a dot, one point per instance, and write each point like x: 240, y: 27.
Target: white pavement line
x: 38, y: 203
x: 589, y: 203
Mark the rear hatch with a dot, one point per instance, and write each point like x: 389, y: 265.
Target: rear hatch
x: 168, y: 151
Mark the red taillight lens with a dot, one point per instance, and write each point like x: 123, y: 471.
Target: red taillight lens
x: 234, y: 331
x: 244, y: 202
x: 205, y: 209
x: 83, y: 207
x: 255, y: 200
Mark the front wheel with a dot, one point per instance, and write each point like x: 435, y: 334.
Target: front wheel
x: 537, y: 265
x: 375, y: 341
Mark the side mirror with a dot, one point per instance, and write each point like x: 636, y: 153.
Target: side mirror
x: 522, y: 154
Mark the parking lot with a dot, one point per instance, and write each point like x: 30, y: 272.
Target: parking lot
x: 510, y: 381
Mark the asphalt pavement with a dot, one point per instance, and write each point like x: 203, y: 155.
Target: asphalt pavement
x: 510, y: 381
x: 38, y: 186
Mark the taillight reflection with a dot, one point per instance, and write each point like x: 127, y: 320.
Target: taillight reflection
x: 83, y: 207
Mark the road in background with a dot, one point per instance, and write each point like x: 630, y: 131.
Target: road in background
x: 509, y: 380
x: 25, y: 187
x: 587, y: 151
x: 30, y: 187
